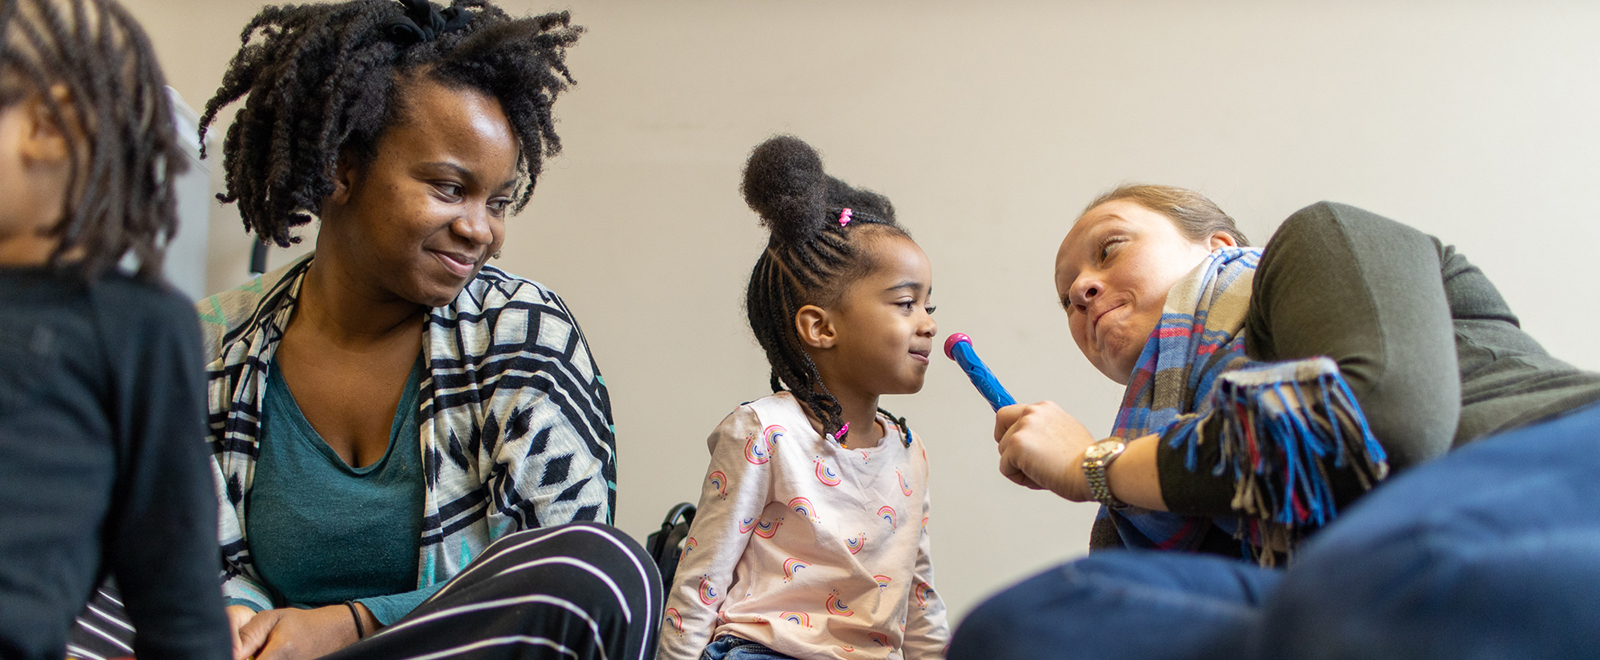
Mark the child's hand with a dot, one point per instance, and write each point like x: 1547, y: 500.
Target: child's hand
x: 295, y: 634
x: 1041, y: 447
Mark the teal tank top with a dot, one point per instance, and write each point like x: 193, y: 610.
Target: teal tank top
x: 323, y: 532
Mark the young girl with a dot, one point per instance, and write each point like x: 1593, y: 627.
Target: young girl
x: 101, y: 393
x: 811, y: 538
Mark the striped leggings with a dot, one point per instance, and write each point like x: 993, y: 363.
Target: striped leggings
x: 576, y: 591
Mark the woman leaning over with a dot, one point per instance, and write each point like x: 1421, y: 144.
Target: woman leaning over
x: 410, y: 442
x: 1387, y: 345
x: 1267, y: 391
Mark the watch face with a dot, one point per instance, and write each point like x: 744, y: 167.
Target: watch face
x: 1102, y: 449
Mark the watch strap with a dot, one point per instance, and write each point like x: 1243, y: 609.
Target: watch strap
x: 1095, y: 463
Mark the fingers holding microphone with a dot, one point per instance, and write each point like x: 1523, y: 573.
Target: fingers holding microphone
x: 1041, y: 447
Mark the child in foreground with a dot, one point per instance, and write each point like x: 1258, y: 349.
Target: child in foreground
x: 811, y: 537
x: 102, y: 471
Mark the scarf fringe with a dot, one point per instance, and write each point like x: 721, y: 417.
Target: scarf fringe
x: 1279, y: 423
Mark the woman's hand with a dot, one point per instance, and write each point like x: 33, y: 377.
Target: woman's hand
x: 238, y: 617
x: 1041, y: 447
x: 295, y: 634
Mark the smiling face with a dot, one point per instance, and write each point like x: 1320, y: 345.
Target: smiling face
x: 884, y: 324
x: 1112, y: 276
x: 419, y: 220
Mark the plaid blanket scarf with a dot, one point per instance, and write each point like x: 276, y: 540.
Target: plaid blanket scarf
x: 1276, y: 423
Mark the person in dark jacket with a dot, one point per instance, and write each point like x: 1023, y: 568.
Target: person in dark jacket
x: 102, y: 388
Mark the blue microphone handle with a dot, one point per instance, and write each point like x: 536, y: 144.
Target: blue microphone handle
x: 981, y: 377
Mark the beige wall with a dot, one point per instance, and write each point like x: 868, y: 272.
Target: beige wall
x: 990, y: 125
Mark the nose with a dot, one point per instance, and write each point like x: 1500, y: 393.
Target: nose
x: 476, y: 226
x: 1084, y: 290
x: 929, y: 327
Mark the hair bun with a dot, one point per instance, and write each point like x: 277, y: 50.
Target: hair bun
x: 784, y: 184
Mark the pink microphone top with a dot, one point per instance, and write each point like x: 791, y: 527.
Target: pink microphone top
x: 950, y: 344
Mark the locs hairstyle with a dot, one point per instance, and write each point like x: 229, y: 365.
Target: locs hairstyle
x: 810, y: 260
x: 325, y: 81
x: 117, y: 120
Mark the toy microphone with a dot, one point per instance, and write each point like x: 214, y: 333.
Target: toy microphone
x: 959, y: 348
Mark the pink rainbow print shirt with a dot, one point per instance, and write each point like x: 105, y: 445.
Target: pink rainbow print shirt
x: 804, y: 546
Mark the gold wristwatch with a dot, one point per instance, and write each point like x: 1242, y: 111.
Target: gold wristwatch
x: 1096, y: 459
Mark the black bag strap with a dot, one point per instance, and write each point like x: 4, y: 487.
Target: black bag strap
x: 682, y: 510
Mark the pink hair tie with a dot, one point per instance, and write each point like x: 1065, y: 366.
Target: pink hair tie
x: 844, y: 219
x: 843, y: 430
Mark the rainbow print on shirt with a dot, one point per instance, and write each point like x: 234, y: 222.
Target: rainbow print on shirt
x: 673, y: 620
x: 825, y: 474
x: 757, y: 450
x: 767, y: 529
x: 924, y: 593
x: 855, y: 544
x: 690, y: 545
x: 904, y: 487
x: 882, y: 580
x: 746, y: 525
x: 887, y: 513
x: 719, y: 481
x: 880, y: 638
x: 708, y: 593
x: 791, y: 565
x: 804, y: 507
x: 797, y: 618
x: 836, y: 606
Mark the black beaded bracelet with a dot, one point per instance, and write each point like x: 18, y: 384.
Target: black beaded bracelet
x: 361, y: 631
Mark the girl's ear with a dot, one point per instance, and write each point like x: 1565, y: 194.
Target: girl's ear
x: 815, y: 327
x: 44, y: 140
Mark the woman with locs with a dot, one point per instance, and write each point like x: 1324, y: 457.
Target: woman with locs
x: 414, y: 449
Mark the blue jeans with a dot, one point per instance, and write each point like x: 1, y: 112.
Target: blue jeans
x: 728, y: 647
x: 1492, y: 551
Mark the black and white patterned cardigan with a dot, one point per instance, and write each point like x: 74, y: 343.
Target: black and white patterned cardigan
x: 515, y: 422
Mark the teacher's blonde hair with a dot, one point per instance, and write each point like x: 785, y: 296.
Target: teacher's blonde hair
x: 1196, y: 217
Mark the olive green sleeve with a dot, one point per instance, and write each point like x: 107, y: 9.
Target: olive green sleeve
x: 1368, y: 292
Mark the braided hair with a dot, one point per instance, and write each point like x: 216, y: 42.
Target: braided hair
x: 810, y: 259
x: 325, y: 81
x: 126, y: 154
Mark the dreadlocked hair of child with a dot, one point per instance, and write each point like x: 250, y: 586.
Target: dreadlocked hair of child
x: 822, y: 233
x: 102, y: 390
x: 94, y: 69
x: 324, y: 81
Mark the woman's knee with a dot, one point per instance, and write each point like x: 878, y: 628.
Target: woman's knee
x: 1003, y: 626
x: 593, y: 562
x: 1444, y: 596
x: 588, y: 539
x: 1120, y: 604
x: 605, y: 547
